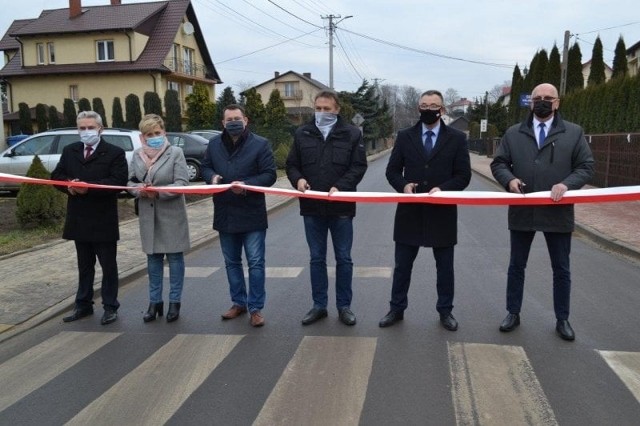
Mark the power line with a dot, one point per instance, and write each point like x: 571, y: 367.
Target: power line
x: 347, y: 56
x: 271, y: 16
x: 295, y: 16
x: 609, y: 28
x: 424, y: 52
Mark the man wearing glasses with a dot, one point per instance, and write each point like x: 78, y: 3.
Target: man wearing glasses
x: 427, y: 158
x: 543, y: 153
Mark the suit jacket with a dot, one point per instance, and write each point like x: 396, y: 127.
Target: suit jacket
x: 92, y: 217
x: 447, y: 167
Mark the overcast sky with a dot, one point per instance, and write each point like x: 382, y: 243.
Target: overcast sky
x: 467, y: 45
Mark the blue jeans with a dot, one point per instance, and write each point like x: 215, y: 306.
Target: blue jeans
x: 155, y: 269
x: 253, y: 243
x: 316, y: 229
x: 559, y: 246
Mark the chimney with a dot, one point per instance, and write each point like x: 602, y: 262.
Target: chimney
x: 116, y: 2
x: 276, y: 74
x: 75, y: 8
x: 307, y: 74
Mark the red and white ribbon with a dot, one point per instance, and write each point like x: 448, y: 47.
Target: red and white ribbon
x: 476, y: 198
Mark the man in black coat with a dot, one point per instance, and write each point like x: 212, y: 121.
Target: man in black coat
x: 426, y: 158
x: 92, y: 214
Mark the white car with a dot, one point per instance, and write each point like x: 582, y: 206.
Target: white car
x: 49, y: 145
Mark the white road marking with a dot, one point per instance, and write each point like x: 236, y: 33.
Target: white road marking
x: 325, y: 383
x: 153, y: 392
x: 627, y: 366
x: 195, y: 271
x: 496, y: 385
x: 35, y: 367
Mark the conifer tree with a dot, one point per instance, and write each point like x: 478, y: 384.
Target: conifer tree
x: 173, y: 120
x: 133, y: 115
x: 596, y: 75
x: 117, y: 118
x: 200, y: 110
x: 54, y: 119
x: 226, y: 98
x: 84, y: 105
x: 98, y: 107
x: 24, y: 119
x: 254, y: 108
x: 152, y: 103
x: 41, y: 117
x: 69, y: 113
x: 575, y: 79
x: 620, y: 64
x: 516, y: 91
x: 276, y: 123
x: 553, y: 72
x: 39, y: 205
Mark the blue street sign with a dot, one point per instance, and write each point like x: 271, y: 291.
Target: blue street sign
x: 525, y: 99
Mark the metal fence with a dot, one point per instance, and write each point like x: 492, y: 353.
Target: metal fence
x: 617, y: 157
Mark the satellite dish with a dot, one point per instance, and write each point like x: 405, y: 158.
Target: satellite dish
x: 187, y: 28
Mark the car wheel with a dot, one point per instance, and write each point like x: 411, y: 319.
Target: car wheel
x: 194, y: 171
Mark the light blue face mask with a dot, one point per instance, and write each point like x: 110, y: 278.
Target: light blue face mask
x: 324, y: 119
x: 155, y: 142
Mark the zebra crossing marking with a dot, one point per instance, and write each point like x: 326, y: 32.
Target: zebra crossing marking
x: 325, y: 383
x: 196, y: 271
x: 172, y: 374
x: 496, y: 385
x: 626, y: 365
x: 38, y: 365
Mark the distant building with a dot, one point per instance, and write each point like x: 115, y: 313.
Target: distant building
x: 459, y: 107
x: 296, y: 90
x: 105, y: 52
x: 586, y: 70
x: 633, y: 53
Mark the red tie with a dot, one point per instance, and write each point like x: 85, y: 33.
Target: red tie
x: 87, y: 151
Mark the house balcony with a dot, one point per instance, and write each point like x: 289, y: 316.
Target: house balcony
x: 291, y: 95
x: 186, y: 68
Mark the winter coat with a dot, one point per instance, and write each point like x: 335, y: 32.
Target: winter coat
x: 339, y: 161
x: 164, y: 226
x: 447, y: 167
x: 564, y: 157
x: 92, y: 217
x: 252, y: 163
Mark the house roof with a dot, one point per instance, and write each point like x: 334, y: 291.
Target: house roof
x: 159, y: 20
x: 633, y: 48
x: 310, y: 80
x: 9, y: 43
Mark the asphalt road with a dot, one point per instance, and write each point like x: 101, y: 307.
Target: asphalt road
x: 201, y: 370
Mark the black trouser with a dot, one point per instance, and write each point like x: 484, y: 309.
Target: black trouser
x: 87, y: 253
x: 404, y: 258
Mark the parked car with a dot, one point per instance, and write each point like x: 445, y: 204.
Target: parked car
x: 49, y: 145
x: 194, y: 147
x: 14, y: 139
x: 207, y: 134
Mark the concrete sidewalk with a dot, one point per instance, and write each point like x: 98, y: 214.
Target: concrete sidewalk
x: 40, y: 283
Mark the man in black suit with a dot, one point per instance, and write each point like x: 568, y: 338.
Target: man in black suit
x: 92, y: 214
x: 426, y: 158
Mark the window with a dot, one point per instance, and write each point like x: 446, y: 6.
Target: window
x: 73, y: 93
x: 188, y: 89
x: 290, y: 90
x: 52, y: 53
x: 104, y: 50
x: 176, y: 57
x: 40, y: 53
x: 36, y: 146
x: 188, y: 60
x: 172, y: 85
x: 122, y: 141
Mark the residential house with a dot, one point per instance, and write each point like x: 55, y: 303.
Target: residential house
x: 586, y: 70
x: 105, y: 52
x: 297, y: 92
x: 633, y: 53
x: 459, y: 107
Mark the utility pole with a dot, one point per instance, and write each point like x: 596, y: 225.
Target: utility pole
x: 565, y: 63
x: 332, y: 28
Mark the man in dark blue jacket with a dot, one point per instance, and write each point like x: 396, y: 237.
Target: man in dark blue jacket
x: 328, y: 155
x: 238, y: 156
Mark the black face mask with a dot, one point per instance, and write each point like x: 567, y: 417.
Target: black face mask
x: 429, y: 116
x: 542, y: 108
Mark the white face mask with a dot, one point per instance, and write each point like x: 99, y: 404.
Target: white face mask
x: 324, y: 119
x: 89, y: 137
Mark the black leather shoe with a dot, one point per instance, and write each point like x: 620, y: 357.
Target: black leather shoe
x: 448, y: 322
x: 314, y: 315
x: 510, y: 322
x: 564, y: 330
x: 347, y: 317
x: 109, y: 316
x: 78, y: 313
x: 154, y: 310
x: 391, y: 318
x: 174, y: 311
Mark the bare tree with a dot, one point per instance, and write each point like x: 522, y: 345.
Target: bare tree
x: 497, y: 91
x: 407, y: 108
x: 451, y: 96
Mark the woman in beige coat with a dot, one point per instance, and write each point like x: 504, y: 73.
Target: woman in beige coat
x: 164, y: 229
